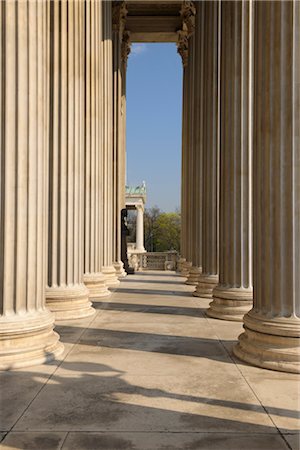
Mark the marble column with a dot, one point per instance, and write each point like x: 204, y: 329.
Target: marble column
x: 210, y: 219
x: 140, y: 229
x: 119, y: 14
x: 233, y: 296
x: 272, y: 327
x: 66, y: 293
x: 26, y: 325
x: 93, y: 277
x: 197, y: 117
x: 107, y: 146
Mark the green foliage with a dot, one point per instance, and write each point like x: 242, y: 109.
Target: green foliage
x: 162, y: 230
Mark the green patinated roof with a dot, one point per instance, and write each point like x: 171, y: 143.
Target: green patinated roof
x: 138, y: 190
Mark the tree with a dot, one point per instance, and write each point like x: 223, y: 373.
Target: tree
x: 150, y: 217
x: 167, y: 232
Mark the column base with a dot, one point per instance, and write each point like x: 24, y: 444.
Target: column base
x: 95, y: 283
x: 206, y: 285
x: 119, y: 267
x: 28, y: 339
x: 194, y: 274
x: 270, y: 343
x: 230, y: 303
x: 179, y: 265
x: 110, y: 276
x: 186, y: 267
x: 69, y: 302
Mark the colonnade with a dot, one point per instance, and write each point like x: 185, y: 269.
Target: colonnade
x: 62, y: 189
x: 62, y: 167
x: 249, y: 165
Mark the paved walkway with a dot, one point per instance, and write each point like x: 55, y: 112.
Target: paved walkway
x: 149, y: 371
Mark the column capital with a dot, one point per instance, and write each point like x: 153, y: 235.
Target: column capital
x: 187, y: 13
x: 119, y: 14
x: 125, y: 46
x: 183, y: 46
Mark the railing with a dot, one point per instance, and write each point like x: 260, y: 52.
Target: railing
x: 153, y: 260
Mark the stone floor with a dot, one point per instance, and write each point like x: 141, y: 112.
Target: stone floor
x: 149, y: 371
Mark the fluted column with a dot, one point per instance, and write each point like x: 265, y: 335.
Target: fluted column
x: 119, y: 14
x: 210, y: 219
x: 26, y: 326
x: 197, y: 117
x: 232, y: 298
x: 182, y: 259
x: 66, y: 294
x: 190, y: 210
x: 107, y: 146
x: 93, y: 278
x: 272, y: 327
x: 186, y: 51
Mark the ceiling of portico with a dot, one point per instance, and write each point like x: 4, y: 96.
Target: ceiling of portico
x: 153, y: 21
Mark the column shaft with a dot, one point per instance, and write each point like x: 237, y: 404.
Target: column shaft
x: 140, y: 229
x: 119, y: 172
x: 66, y: 294
x: 272, y: 327
x: 26, y: 326
x: 93, y: 278
x: 107, y: 146
x: 232, y: 298
x: 182, y: 259
x: 197, y: 150
x: 210, y: 219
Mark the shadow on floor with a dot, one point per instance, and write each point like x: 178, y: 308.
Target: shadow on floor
x: 168, y: 292
x: 151, y: 309
x: 149, y: 342
x: 86, y: 396
x: 151, y: 281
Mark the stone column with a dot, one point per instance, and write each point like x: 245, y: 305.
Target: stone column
x: 66, y: 294
x: 188, y: 12
x: 189, y: 149
x: 272, y: 327
x: 210, y: 219
x: 26, y: 326
x: 93, y: 278
x: 182, y: 259
x: 107, y: 146
x: 119, y: 174
x: 232, y: 298
x: 197, y: 117
x: 140, y: 228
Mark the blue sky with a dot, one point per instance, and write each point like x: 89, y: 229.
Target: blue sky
x: 154, y: 102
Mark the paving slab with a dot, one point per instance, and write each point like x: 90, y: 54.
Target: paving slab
x: 175, y: 441
x: 33, y: 441
x: 150, y: 370
x: 293, y: 440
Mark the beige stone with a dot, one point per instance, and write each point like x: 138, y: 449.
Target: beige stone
x: 232, y: 298
x: 93, y: 278
x: 26, y: 326
x: 210, y: 201
x: 272, y: 327
x: 66, y: 293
